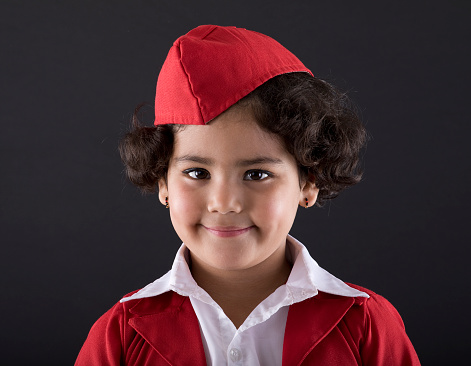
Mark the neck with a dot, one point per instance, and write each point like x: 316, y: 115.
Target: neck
x: 239, y: 291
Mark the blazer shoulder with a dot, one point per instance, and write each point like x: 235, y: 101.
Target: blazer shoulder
x: 112, y: 337
x: 380, y: 331
x: 377, y: 304
x: 363, y: 289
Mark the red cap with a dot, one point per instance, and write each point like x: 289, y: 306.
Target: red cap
x: 211, y: 67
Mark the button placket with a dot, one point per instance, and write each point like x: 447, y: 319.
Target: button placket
x: 235, y: 354
x: 234, y: 350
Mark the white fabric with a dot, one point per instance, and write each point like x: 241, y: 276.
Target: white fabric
x: 259, y: 340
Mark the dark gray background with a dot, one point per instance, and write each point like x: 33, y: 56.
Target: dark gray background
x: 76, y: 236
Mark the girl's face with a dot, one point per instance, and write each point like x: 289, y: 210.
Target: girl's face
x: 233, y: 192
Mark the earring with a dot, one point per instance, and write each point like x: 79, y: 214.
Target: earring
x: 166, y: 202
x: 307, y: 202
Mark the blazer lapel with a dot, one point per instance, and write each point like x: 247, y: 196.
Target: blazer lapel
x: 169, y: 324
x: 309, y: 322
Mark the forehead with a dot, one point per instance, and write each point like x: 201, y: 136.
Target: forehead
x: 235, y: 134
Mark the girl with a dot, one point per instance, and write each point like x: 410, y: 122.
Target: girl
x: 244, y: 134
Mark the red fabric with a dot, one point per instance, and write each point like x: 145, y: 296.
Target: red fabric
x: 324, y: 330
x: 211, y: 67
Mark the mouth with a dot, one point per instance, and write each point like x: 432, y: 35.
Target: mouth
x: 227, y: 231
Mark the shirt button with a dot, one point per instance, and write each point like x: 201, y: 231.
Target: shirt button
x: 235, y: 355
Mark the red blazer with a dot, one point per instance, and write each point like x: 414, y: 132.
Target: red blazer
x: 323, y: 330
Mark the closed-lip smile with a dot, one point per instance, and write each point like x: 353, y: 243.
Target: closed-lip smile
x: 227, y: 231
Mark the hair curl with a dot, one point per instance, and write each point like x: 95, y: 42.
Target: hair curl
x: 318, y: 125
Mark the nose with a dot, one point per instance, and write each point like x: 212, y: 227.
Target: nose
x: 225, y: 197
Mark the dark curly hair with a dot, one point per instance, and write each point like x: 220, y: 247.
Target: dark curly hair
x: 318, y: 125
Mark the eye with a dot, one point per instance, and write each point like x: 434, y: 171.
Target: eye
x: 197, y: 173
x: 256, y: 175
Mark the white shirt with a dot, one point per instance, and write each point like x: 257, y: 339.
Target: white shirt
x: 259, y: 340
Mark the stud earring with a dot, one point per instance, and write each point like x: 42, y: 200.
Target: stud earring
x: 307, y: 202
x: 166, y: 202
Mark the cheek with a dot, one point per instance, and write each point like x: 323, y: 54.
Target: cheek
x: 184, y: 204
x: 276, y: 207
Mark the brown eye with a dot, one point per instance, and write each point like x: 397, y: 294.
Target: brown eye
x: 197, y: 173
x: 256, y: 175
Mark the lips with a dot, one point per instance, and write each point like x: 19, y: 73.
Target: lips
x: 227, y: 231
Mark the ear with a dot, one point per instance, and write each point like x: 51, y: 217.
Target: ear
x: 309, y: 191
x: 163, y: 191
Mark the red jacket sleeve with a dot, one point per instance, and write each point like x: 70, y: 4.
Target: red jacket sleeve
x: 105, y: 339
x: 385, y: 341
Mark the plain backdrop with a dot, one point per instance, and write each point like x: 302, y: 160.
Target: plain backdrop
x: 76, y: 236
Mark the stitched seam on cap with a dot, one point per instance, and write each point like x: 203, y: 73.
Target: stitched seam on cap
x: 208, y: 32
x: 189, y: 83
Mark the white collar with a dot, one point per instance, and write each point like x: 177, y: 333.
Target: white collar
x: 306, y: 279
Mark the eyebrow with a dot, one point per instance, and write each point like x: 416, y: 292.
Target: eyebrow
x: 245, y: 162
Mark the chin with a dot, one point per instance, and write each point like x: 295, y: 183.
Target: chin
x: 228, y: 263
